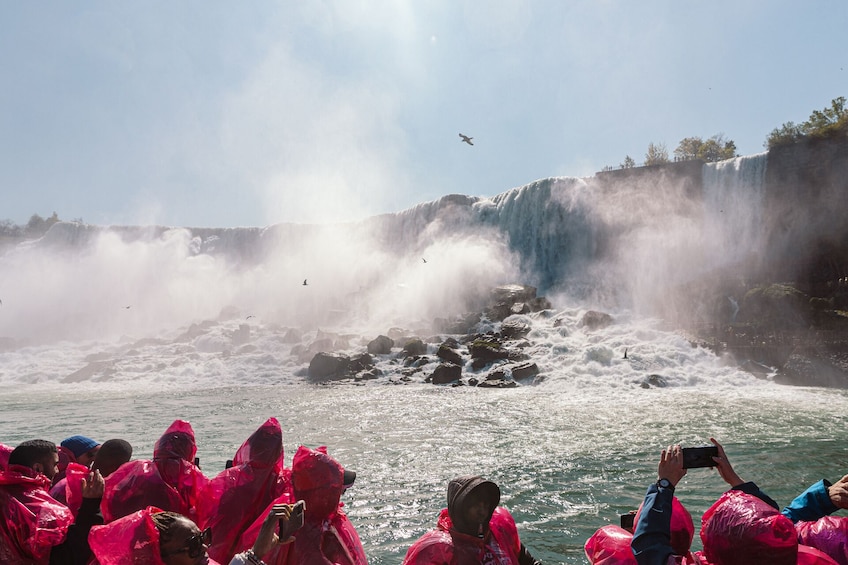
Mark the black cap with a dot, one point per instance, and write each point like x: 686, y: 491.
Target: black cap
x: 349, y: 477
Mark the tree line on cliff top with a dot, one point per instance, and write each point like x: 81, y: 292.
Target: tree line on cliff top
x: 831, y: 122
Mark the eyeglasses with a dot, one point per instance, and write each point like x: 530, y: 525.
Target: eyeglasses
x: 195, y: 545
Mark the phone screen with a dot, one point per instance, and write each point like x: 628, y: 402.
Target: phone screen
x: 627, y: 521
x: 695, y: 457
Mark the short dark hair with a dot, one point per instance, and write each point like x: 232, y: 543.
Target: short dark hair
x: 116, y: 448
x: 164, y: 521
x: 31, y: 452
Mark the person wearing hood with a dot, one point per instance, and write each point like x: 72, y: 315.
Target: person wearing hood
x: 327, y: 536
x: 170, y: 481
x: 236, y: 497
x: 35, y: 529
x: 472, y: 530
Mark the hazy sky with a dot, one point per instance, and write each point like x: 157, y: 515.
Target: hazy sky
x: 208, y: 113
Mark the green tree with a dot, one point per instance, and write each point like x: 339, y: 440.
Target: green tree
x: 717, y: 148
x: 688, y: 149
x: 829, y: 122
x: 657, y: 154
x: 714, y: 149
x: 628, y: 163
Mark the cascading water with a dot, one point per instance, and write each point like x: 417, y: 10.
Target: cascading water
x: 115, y: 332
x: 733, y: 208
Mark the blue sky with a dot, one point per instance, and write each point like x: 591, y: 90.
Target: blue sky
x: 219, y: 114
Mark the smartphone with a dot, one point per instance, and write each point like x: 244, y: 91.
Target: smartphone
x: 627, y: 521
x: 695, y: 457
x: 294, y: 523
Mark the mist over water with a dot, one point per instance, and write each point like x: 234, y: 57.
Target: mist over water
x: 115, y: 332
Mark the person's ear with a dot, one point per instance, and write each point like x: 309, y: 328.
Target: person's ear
x: 38, y: 467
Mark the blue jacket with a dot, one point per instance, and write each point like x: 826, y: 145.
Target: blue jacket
x: 651, y: 542
x: 812, y: 504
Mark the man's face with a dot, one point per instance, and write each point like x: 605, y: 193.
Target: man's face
x: 477, y: 512
x: 187, y: 545
x: 87, y: 457
x: 49, y: 466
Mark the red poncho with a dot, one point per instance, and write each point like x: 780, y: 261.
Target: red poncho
x: 740, y: 529
x: 236, y: 497
x: 31, y: 521
x: 5, y: 452
x: 327, y: 536
x: 610, y: 545
x: 438, y: 547
x: 170, y: 481
x: 828, y: 534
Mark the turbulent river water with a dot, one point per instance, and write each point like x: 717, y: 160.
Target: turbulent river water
x: 571, y: 453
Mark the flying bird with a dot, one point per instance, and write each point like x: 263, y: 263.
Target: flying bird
x: 423, y: 259
x: 249, y: 317
x: 466, y: 139
x: 127, y: 307
x: 304, y: 282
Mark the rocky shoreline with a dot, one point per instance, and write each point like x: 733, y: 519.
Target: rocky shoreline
x: 805, y: 345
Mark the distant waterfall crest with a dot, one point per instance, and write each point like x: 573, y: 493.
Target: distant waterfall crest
x: 734, y: 192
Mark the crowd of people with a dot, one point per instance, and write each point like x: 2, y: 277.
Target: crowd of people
x: 743, y: 527
x: 86, y: 503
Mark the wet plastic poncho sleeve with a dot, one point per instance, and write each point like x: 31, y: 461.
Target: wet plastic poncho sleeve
x: 31, y: 522
x: 812, y: 504
x: 651, y: 542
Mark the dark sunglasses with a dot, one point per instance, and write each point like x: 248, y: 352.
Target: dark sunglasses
x: 195, y: 545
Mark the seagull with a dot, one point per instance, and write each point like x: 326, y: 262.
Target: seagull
x: 304, y: 282
x: 249, y: 317
x: 423, y: 259
x: 466, y: 139
x: 127, y: 307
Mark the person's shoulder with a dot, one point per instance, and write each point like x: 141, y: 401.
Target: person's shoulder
x: 432, y: 548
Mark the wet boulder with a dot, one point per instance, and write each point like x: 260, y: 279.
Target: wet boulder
x: 523, y: 371
x: 445, y: 373
x: 487, y: 349
x: 449, y: 354
x: 328, y: 366
x: 513, y: 329
x: 381, y: 345
x: 594, y: 320
x: 414, y: 346
x: 654, y: 381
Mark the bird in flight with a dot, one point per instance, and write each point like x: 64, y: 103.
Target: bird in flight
x: 249, y: 317
x: 466, y: 139
x: 127, y: 307
x: 304, y: 282
x: 423, y: 259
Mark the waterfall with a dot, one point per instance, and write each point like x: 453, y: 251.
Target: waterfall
x: 733, y: 209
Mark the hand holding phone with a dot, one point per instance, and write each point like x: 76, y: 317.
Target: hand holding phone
x: 696, y: 457
x: 294, y: 521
